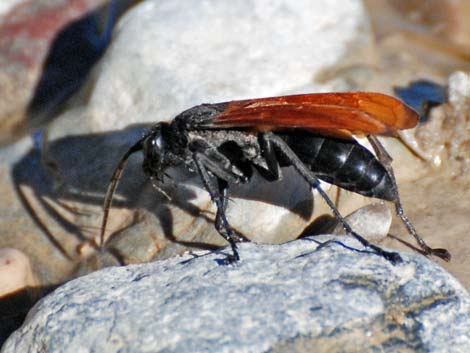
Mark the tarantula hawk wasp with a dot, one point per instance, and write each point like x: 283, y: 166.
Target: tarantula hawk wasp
x: 314, y: 133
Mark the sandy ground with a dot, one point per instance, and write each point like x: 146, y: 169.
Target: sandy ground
x: 439, y: 207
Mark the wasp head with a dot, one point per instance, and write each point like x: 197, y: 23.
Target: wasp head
x: 156, y: 149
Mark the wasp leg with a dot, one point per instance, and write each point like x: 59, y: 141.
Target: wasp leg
x: 386, y: 161
x: 216, y: 185
x: 273, y: 171
x: 282, y: 148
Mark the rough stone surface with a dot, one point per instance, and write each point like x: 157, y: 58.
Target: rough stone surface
x: 287, y: 298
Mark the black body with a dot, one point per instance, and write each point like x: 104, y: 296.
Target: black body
x: 344, y: 163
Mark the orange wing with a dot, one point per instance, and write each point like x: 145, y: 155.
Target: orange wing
x: 333, y: 114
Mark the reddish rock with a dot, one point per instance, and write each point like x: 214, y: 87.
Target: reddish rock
x: 27, y: 31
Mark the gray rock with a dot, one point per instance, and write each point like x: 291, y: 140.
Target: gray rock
x: 294, y: 297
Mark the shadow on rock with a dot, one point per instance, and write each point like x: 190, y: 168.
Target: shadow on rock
x: 84, y: 164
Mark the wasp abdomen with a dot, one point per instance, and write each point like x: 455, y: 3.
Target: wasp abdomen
x: 346, y: 164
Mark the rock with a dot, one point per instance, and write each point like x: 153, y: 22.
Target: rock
x: 15, y: 271
x: 372, y: 222
x: 459, y: 89
x: 443, y: 135
x: 32, y: 81
x: 7, y: 5
x: 458, y: 122
x: 222, y: 51
x: 294, y: 297
x: 18, y: 291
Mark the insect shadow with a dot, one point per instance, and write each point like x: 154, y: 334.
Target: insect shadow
x: 85, y: 164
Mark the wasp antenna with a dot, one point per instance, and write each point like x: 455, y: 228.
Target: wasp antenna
x: 113, y: 183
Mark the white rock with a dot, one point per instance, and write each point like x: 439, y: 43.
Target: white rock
x: 166, y: 58
x: 15, y: 271
x: 372, y: 221
x: 276, y: 298
x: 459, y: 88
x: 7, y: 5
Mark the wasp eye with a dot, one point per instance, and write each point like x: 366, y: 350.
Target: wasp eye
x: 154, y: 154
x: 158, y: 142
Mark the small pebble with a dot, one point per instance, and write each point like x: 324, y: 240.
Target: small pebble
x: 15, y: 271
x: 372, y: 222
